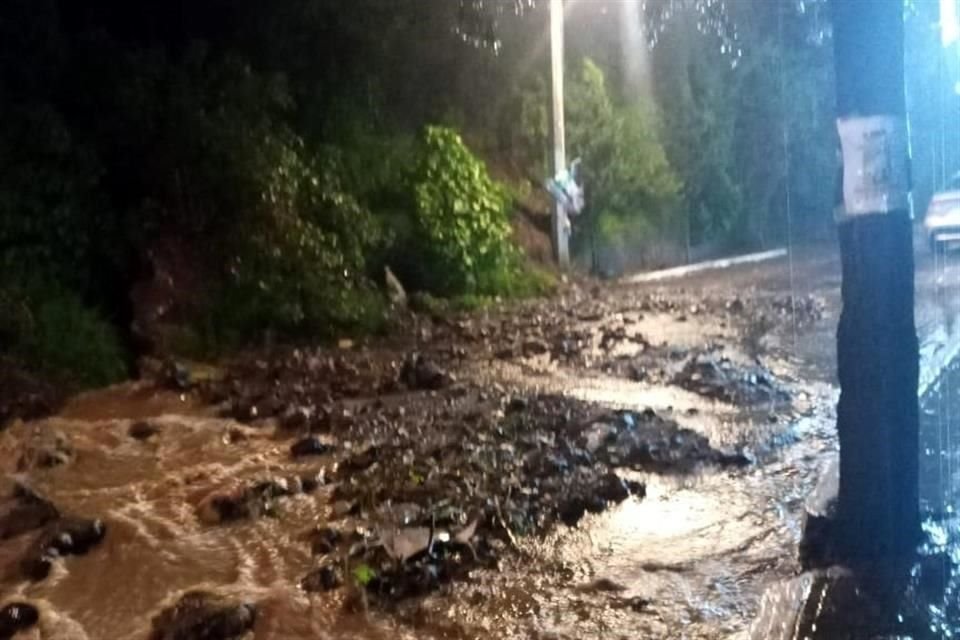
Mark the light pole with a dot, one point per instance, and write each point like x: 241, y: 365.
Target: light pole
x: 877, y: 351
x: 559, y: 227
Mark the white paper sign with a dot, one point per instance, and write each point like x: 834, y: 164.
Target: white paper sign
x: 876, y: 165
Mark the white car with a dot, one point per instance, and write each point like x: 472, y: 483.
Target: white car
x: 942, y: 222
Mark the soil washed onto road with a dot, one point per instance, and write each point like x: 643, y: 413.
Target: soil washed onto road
x: 619, y: 461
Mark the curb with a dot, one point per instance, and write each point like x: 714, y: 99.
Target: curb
x: 724, y: 263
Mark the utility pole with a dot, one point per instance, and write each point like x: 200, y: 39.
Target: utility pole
x: 559, y: 227
x: 877, y: 349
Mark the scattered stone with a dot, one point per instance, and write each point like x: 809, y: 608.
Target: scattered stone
x: 535, y: 347
x: 255, y: 500
x: 326, y: 578
x: 637, y: 604
x: 421, y: 374
x: 360, y: 461
x: 67, y: 536
x: 602, y: 585
x: 296, y: 418
x: 142, y: 430
x: 311, y: 446
x: 517, y: 404
x: 325, y: 540
x: 721, y: 379
x: 204, y: 616
x: 16, y: 617
x: 45, y: 448
x: 613, y: 489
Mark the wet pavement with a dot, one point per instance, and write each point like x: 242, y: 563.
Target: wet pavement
x: 620, y: 461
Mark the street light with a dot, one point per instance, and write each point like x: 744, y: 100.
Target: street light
x: 559, y: 227
x: 949, y: 22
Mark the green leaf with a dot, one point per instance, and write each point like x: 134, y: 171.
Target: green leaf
x: 364, y: 574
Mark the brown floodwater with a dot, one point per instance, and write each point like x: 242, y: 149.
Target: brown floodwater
x: 700, y: 549
x: 691, y: 560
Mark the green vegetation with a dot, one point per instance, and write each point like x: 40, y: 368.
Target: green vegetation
x: 633, y: 189
x: 249, y: 170
x: 53, y: 332
x: 461, y: 220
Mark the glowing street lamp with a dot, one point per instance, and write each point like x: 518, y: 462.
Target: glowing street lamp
x: 560, y: 228
x: 949, y: 22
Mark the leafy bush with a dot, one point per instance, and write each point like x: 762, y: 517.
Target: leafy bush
x: 302, y: 272
x: 461, y: 221
x: 285, y: 244
x: 50, y: 329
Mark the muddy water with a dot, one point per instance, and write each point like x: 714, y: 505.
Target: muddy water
x: 896, y: 597
x: 691, y: 560
x: 156, y: 547
x: 694, y: 555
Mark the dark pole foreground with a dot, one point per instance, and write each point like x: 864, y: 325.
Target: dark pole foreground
x: 877, y: 349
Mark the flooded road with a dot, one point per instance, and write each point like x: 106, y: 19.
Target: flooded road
x: 695, y: 399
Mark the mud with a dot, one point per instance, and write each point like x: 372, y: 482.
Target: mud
x: 565, y: 468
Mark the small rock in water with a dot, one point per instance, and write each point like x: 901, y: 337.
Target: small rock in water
x: 204, y: 616
x: 323, y: 579
x: 15, y: 617
x: 572, y: 511
x: 421, y: 374
x: 69, y: 536
x: 517, y: 404
x: 142, y: 430
x: 324, y: 541
x: 613, y: 489
x: 361, y: 461
x: 47, y: 448
x: 255, y: 500
x: 534, y: 347
x: 296, y: 418
x: 311, y: 446
x: 602, y: 585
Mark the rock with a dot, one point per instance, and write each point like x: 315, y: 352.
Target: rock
x: 45, y: 448
x: 15, y: 617
x: 637, y: 489
x: 204, y: 616
x: 313, y: 481
x: 420, y: 374
x: 311, y: 446
x: 326, y: 578
x: 612, y: 488
x: 572, y: 511
x: 602, y: 585
x: 254, y: 500
x: 636, y: 373
x: 534, y: 347
x: 296, y: 418
x: 722, y: 379
x: 324, y: 541
x: 24, y: 511
x: 68, y: 536
x: 360, y: 461
x: 517, y: 404
x: 637, y: 604
x: 395, y: 291
x: 142, y: 430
